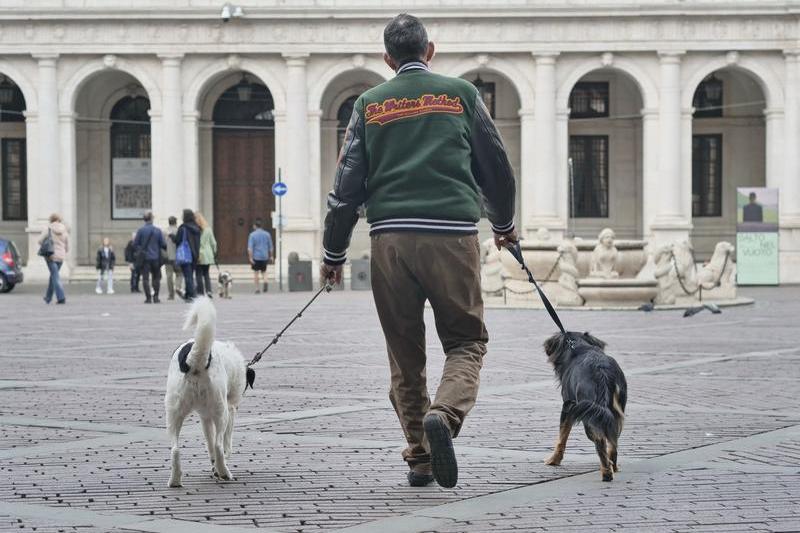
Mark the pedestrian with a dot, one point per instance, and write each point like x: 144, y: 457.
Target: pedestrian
x: 130, y: 253
x: 149, y: 242
x: 259, y: 253
x: 104, y: 263
x: 54, y: 246
x: 173, y: 273
x: 187, y: 241
x: 208, y: 254
x: 421, y: 169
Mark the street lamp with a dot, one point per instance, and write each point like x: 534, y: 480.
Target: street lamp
x: 713, y: 88
x: 486, y: 90
x: 244, y: 89
x: 7, y: 90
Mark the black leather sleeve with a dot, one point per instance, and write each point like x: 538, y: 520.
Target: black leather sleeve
x: 349, y: 192
x: 492, y: 170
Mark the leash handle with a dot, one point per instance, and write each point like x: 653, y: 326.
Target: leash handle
x: 257, y: 357
x: 516, y: 250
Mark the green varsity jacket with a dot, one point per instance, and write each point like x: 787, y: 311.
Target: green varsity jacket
x: 420, y: 150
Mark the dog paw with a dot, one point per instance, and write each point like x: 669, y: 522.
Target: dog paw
x: 553, y: 460
x: 616, y: 468
x: 608, y: 476
x: 225, y: 475
x: 174, y: 483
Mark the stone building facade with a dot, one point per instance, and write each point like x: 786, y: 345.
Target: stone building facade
x: 663, y: 108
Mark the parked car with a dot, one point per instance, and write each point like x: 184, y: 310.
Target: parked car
x: 10, y: 269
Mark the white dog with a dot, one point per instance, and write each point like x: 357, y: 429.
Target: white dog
x: 208, y: 377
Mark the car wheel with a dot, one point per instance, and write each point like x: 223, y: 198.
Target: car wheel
x: 9, y: 287
x: 4, y: 285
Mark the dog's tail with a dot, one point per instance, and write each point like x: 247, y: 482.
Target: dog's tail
x: 598, y: 417
x: 203, y: 318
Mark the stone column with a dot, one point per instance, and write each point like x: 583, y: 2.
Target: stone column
x: 44, y: 184
x: 159, y: 187
x: 526, y: 182
x: 315, y: 173
x: 69, y: 182
x: 650, y: 159
x: 668, y: 219
x: 169, y: 167
x: 191, y: 163
x: 543, y: 189
x: 789, y: 239
x: 299, y: 230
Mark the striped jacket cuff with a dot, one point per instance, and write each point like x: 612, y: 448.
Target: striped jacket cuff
x: 423, y: 225
x: 503, y: 228
x: 333, y: 258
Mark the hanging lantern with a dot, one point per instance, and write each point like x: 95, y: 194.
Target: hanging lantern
x: 486, y: 90
x: 7, y: 91
x: 244, y: 89
x: 713, y: 88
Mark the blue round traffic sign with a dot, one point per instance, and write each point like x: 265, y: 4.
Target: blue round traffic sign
x: 279, y: 188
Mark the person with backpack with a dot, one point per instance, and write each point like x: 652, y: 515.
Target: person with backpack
x: 208, y: 254
x: 148, y: 243
x: 53, y: 247
x: 130, y: 252
x: 187, y: 251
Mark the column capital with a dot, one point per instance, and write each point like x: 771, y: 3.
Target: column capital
x: 649, y: 112
x: 297, y: 59
x: 773, y: 113
x: 792, y: 53
x: 155, y: 116
x: 46, y: 60
x: 545, y: 57
x: 30, y: 115
x: 314, y: 113
x: 526, y: 113
x: 670, y: 56
x: 189, y: 116
x: 563, y: 114
x: 67, y: 116
x: 171, y: 59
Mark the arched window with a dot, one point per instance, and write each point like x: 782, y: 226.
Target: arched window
x: 343, y: 118
x: 248, y: 103
x: 130, y: 128
x: 130, y: 158
x: 12, y: 103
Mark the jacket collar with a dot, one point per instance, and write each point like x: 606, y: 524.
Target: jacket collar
x: 412, y: 65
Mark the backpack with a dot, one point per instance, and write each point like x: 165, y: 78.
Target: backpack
x: 183, y: 253
x: 47, y: 248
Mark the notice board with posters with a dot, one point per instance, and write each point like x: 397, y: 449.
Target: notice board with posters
x: 756, y: 236
x: 130, y: 187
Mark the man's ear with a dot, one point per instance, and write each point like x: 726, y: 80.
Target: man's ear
x: 430, y: 53
x: 389, y: 61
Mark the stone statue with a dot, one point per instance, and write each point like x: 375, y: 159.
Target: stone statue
x: 665, y: 275
x: 604, y: 256
x: 568, y: 279
x: 718, y: 276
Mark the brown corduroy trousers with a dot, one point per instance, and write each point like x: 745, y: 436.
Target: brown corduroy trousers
x: 407, y: 269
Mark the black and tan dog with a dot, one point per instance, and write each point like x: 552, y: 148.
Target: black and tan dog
x: 594, y: 391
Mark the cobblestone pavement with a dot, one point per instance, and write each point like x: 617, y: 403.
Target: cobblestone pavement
x: 711, y: 442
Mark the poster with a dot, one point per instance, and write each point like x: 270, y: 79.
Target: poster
x: 757, y: 236
x: 130, y: 187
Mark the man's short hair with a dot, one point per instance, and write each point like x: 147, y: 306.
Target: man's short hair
x: 405, y: 39
x: 172, y: 221
x: 148, y: 216
x: 258, y: 223
x: 752, y: 196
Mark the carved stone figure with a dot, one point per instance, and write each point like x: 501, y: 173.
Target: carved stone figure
x: 492, y: 271
x: 718, y: 276
x: 568, y: 279
x: 604, y: 256
x: 665, y: 275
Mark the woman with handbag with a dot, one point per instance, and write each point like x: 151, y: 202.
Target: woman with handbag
x: 53, y: 247
x: 187, y: 251
x: 208, y: 251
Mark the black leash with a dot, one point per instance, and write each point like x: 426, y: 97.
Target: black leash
x: 516, y: 251
x: 257, y: 357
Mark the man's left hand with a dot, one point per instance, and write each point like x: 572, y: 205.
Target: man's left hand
x: 505, y: 240
x: 330, y: 273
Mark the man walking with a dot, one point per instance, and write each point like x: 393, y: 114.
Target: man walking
x: 259, y: 253
x: 419, y: 151
x: 174, y: 275
x: 148, y: 243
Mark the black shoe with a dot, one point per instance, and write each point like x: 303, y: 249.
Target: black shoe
x: 419, y: 480
x: 61, y: 302
x: 156, y: 300
x: 443, y: 457
x: 148, y: 301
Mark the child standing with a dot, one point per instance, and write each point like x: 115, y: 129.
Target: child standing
x: 105, y: 266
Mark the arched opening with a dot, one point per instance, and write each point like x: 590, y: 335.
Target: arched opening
x: 337, y: 106
x: 605, y: 150
x: 728, y: 151
x: 13, y: 165
x: 237, y: 139
x: 503, y: 102
x: 113, y: 161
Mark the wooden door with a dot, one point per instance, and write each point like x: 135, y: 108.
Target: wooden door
x: 244, y: 171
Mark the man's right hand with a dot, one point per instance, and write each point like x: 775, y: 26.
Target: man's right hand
x: 330, y: 273
x: 504, y: 240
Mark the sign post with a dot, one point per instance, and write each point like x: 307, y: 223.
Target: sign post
x: 757, y: 236
x: 279, y: 189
